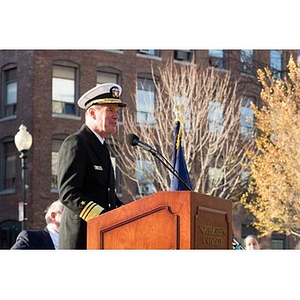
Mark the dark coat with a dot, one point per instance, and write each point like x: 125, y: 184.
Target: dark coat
x: 85, y: 174
x: 34, y: 239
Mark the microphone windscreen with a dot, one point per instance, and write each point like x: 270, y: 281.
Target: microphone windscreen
x: 132, y: 139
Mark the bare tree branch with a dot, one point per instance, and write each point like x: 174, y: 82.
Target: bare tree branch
x: 210, y: 109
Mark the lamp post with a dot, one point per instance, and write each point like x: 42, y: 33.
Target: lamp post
x: 23, y: 142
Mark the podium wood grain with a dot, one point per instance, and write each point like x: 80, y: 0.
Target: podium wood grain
x: 164, y: 220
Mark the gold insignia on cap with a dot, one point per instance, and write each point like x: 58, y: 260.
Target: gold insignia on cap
x: 115, y: 93
x: 106, y: 93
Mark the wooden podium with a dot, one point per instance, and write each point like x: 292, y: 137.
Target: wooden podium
x: 164, y: 220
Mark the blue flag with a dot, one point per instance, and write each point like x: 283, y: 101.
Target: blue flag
x: 178, y: 162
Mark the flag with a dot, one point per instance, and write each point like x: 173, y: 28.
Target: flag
x: 178, y: 162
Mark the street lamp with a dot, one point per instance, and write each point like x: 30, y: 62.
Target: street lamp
x: 23, y: 142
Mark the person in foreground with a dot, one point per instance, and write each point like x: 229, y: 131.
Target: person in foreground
x: 46, y: 238
x: 86, y: 180
x: 252, y: 242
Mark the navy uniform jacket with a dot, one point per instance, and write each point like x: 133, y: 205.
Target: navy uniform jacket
x: 34, y: 239
x: 85, y: 176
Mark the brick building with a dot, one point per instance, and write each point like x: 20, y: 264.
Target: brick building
x: 39, y: 88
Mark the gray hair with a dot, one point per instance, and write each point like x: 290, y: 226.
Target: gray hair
x: 56, y: 207
x: 251, y: 236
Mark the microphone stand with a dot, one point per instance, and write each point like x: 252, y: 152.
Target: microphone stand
x: 164, y: 161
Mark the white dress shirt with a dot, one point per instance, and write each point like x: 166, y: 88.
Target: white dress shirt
x: 54, y: 236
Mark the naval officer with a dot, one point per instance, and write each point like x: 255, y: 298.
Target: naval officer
x: 86, y: 180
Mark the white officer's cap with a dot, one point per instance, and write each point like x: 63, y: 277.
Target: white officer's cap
x: 106, y: 93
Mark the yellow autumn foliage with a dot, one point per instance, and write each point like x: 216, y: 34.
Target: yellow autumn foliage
x: 273, y: 195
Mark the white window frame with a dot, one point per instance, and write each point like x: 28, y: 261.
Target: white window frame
x: 216, y: 58
x: 145, y: 101
x: 216, y: 117
x: 64, y: 102
x: 10, y: 87
x: 276, y: 62
x: 143, y: 173
x: 247, y: 119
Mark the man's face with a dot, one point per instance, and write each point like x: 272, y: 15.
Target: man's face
x: 106, y: 119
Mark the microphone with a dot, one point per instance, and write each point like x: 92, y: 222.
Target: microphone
x: 133, y: 140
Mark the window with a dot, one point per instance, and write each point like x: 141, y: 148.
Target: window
x: 145, y: 101
x: 244, y: 179
x: 277, y: 241
x: 276, y: 62
x: 246, y: 60
x: 185, y: 55
x: 10, y: 91
x: 215, y: 117
x: 247, y: 119
x: 8, y: 166
x: 56, y: 143
x: 215, y: 176
x: 144, y: 175
x: 151, y: 52
x: 63, y: 90
x: 216, y: 58
x: 105, y: 77
x: 277, y: 244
